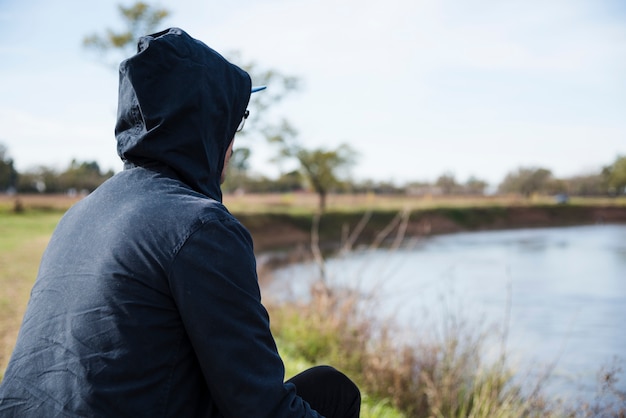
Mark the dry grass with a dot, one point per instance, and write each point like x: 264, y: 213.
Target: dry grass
x: 307, y: 202
x: 40, y: 202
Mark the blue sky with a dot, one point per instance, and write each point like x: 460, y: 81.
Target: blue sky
x: 418, y: 87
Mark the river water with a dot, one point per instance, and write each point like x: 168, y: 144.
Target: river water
x: 560, y: 293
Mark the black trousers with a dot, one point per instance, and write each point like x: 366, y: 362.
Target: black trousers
x: 329, y: 392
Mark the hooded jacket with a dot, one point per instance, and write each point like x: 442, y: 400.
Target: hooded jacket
x: 147, y: 302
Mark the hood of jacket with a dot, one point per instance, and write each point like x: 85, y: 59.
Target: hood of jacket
x: 179, y: 106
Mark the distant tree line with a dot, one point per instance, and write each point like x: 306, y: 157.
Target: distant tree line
x: 610, y: 180
x: 78, y: 177
x: 319, y: 171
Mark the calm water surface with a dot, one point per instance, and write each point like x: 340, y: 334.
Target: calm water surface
x: 564, y: 289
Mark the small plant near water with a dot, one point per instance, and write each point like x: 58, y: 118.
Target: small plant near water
x: 418, y: 378
x: 443, y: 377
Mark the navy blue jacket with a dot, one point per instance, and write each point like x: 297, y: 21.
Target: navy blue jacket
x: 147, y: 301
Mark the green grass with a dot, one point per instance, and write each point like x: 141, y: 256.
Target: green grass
x: 17, y: 229
x: 370, y: 407
x: 23, y: 237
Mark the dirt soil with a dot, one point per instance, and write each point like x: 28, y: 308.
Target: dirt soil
x: 285, y: 233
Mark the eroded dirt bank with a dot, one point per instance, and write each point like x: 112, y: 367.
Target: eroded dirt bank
x: 290, y: 232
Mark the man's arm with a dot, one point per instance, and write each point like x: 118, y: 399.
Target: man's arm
x: 215, y: 285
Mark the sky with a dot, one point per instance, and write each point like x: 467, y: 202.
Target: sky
x: 418, y: 87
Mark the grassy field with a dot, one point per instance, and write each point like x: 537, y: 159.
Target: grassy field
x: 23, y: 238
x: 437, y: 379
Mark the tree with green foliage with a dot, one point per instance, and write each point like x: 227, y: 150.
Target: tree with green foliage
x: 79, y: 177
x: 8, y: 173
x: 322, y: 168
x: 447, y: 184
x: 41, y: 179
x: 475, y: 186
x: 615, y: 176
x: 586, y: 185
x: 83, y: 176
x: 526, y: 181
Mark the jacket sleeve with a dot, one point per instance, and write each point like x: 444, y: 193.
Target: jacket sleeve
x: 215, y: 286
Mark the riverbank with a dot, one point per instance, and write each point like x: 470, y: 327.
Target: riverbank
x: 283, y: 221
x: 282, y: 231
